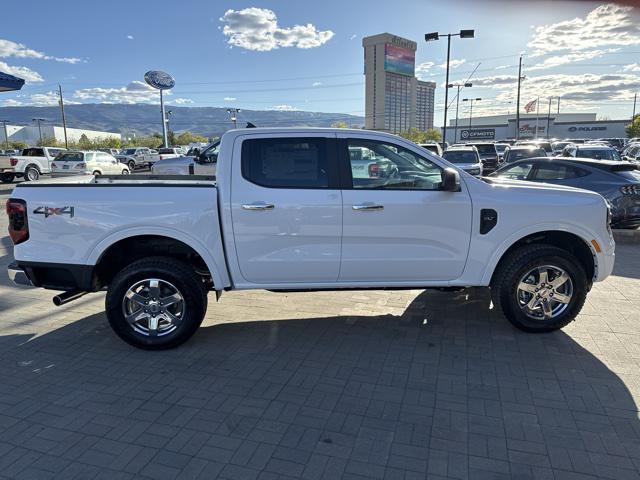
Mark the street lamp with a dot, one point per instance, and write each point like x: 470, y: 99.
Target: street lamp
x: 166, y: 119
x: 431, y: 37
x: 234, y: 115
x: 459, y: 86
x: 471, y: 100
x: 39, y: 128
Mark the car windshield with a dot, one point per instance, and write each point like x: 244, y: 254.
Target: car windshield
x: 70, y: 157
x: 486, y: 149
x: 454, y: 156
x: 168, y: 150
x: 129, y: 151
x: 559, y: 145
x: 598, y: 153
x: 500, y: 148
x: 515, y: 155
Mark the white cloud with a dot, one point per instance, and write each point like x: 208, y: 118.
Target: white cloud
x: 18, y: 50
x: 608, y: 24
x: 130, y: 37
x: 48, y: 99
x: 567, y: 58
x: 423, y: 68
x: 25, y: 73
x: 317, y: 84
x: 352, y: 36
x: 134, y: 92
x: 502, y: 67
x: 633, y: 67
x: 11, y: 102
x: 284, y: 108
x: 453, y: 63
x: 180, y: 101
x: 257, y: 29
x: 229, y: 99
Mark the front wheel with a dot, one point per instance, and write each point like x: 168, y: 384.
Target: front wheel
x: 540, y: 288
x: 156, y: 303
x: 31, y: 173
x: 125, y: 172
x: 131, y: 165
x: 7, y: 177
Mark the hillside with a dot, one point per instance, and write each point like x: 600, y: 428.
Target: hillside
x: 144, y: 119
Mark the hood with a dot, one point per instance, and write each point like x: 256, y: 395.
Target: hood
x: 522, y: 185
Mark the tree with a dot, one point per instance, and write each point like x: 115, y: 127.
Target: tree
x: 186, y: 137
x: 339, y: 124
x: 415, y: 135
x: 17, y: 145
x: 84, y: 143
x: 47, y: 142
x: 633, y: 129
x: 434, y: 135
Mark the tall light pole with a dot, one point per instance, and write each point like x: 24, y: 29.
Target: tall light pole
x: 166, y: 119
x: 459, y: 86
x: 431, y: 37
x: 6, y: 135
x: 234, y: 115
x: 64, y: 119
x: 633, y: 117
x: 471, y: 100
x: 39, y: 127
x: 520, y: 78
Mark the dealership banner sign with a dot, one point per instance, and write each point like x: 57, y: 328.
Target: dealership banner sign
x: 478, y: 134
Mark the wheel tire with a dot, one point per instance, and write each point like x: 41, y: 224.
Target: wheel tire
x: 7, y: 177
x: 31, y: 173
x: 125, y: 172
x: 96, y: 173
x: 504, y: 288
x: 167, y: 269
x: 131, y: 165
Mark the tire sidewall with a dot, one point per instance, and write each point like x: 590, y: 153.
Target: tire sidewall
x: 131, y: 165
x: 30, y: 169
x: 508, y: 292
x: 193, y: 294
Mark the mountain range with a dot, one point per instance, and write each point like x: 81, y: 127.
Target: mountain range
x: 145, y: 119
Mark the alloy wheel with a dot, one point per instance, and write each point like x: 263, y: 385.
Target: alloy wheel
x: 153, y: 307
x: 544, y: 292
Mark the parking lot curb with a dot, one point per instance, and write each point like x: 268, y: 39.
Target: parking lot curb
x: 627, y: 236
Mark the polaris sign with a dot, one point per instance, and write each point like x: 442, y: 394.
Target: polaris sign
x: 478, y: 134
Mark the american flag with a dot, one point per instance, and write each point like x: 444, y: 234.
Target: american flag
x: 531, y: 106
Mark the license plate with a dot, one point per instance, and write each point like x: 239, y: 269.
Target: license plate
x: 65, y: 167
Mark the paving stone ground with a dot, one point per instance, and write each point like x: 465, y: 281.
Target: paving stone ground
x: 353, y: 385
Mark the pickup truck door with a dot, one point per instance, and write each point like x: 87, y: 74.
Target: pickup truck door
x: 286, y: 209
x: 398, y: 226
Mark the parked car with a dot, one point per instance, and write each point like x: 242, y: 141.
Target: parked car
x: 465, y: 158
x: 632, y: 153
x: 136, y: 157
x: 30, y: 165
x: 500, y: 148
x: 488, y: 154
x: 597, y: 152
x: 170, y: 152
x: 203, y: 164
x: 433, y: 147
x: 87, y: 163
x: 545, y: 145
x: 558, y: 147
x: 9, y: 152
x: 617, y: 143
x: 519, y: 152
x: 618, y: 182
x: 111, y: 151
x: 286, y: 214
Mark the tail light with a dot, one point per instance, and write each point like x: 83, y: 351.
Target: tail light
x: 54, y: 166
x: 13, y: 161
x: 374, y: 170
x: 160, y: 157
x: 632, y: 189
x: 81, y: 165
x: 18, y: 224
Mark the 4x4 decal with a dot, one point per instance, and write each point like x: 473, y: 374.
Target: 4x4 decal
x: 49, y: 211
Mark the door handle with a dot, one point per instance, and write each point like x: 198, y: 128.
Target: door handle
x: 258, y: 206
x: 368, y: 207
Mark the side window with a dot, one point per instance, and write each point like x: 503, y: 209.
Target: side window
x: 89, y: 157
x: 556, y: 172
x: 387, y: 166
x: 520, y: 171
x: 286, y: 162
x: 210, y: 155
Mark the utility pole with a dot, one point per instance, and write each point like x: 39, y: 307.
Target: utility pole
x: 537, y: 115
x: 234, y: 115
x: 39, y: 127
x: 6, y: 135
x: 518, y: 100
x: 549, y: 117
x: 635, y: 98
x: 558, y: 105
x: 64, y: 119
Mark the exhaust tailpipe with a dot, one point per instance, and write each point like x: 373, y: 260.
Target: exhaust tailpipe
x: 69, y: 296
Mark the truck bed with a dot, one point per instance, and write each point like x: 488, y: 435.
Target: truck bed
x: 124, y: 180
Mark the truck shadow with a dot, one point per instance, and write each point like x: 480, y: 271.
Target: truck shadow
x: 448, y: 388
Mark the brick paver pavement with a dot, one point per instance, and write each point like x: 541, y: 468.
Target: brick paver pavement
x: 354, y: 385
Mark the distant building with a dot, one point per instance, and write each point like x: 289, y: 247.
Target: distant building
x: 395, y: 100
x: 31, y: 134
x: 558, y: 125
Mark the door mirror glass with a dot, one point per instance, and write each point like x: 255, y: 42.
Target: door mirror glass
x: 450, y: 180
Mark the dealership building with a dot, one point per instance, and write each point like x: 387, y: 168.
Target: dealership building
x: 31, y: 134
x: 395, y: 100
x: 556, y: 125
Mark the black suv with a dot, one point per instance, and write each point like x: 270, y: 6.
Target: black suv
x: 488, y: 155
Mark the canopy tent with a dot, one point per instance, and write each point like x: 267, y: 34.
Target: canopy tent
x: 9, y: 83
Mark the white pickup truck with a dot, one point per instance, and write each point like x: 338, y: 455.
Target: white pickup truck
x: 286, y: 213
x: 137, y: 157
x: 32, y: 163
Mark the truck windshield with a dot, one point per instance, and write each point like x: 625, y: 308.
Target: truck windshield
x: 33, y: 152
x: 460, y: 157
x: 129, y: 151
x: 485, y: 149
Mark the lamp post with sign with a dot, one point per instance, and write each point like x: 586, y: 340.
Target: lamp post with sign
x: 161, y: 81
x: 471, y: 100
x: 459, y: 86
x: 431, y: 37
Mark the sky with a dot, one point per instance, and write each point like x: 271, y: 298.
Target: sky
x: 289, y: 55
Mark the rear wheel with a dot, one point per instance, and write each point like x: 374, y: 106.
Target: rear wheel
x: 31, y: 173
x: 7, y: 177
x: 156, y: 303
x: 540, y: 288
x: 131, y: 165
x: 97, y: 172
x: 125, y: 172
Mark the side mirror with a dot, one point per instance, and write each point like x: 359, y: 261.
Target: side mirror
x: 450, y: 180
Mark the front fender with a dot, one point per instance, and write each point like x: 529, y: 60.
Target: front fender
x: 217, y: 266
